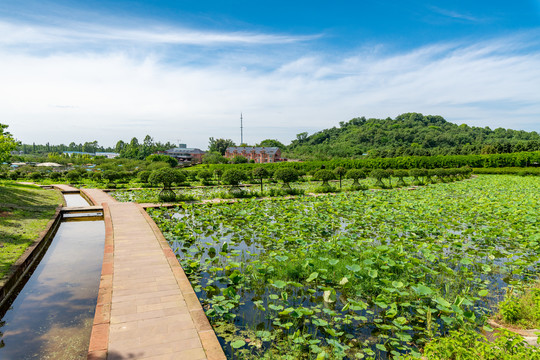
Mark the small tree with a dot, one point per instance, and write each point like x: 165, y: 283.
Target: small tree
x: 73, y: 176
x: 356, y: 174
x: 340, y: 171
x: 325, y: 176
x: 416, y: 174
x: 287, y: 175
x: 260, y: 173
x: 218, y: 172
x: 378, y: 175
x: 430, y: 176
x: 167, y: 177
x: 400, y: 174
x: 233, y: 177
x: 390, y: 173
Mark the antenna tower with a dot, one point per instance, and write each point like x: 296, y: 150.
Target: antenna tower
x: 241, y: 130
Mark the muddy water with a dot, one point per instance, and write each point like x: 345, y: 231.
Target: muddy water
x: 51, y: 317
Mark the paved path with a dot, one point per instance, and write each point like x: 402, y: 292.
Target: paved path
x: 66, y: 188
x: 146, y: 308
x: 99, y: 197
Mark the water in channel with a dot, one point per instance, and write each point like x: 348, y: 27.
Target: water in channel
x: 51, y: 317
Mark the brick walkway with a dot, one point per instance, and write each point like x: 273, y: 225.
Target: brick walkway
x: 146, y: 308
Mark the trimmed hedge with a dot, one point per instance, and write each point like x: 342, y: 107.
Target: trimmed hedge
x: 521, y: 159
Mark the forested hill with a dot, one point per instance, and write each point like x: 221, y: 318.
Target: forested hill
x: 409, y: 134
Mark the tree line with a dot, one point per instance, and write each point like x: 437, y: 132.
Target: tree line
x: 410, y: 134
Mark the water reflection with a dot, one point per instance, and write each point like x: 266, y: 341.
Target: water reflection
x: 52, y: 315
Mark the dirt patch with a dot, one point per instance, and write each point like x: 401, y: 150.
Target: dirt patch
x: 5, y: 213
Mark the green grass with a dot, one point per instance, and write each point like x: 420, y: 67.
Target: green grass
x: 24, y: 213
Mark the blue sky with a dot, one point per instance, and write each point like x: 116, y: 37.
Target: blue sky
x: 108, y: 70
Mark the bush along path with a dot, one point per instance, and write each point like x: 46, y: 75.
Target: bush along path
x: 358, y: 275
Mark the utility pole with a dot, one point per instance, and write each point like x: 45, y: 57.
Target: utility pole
x: 241, y: 130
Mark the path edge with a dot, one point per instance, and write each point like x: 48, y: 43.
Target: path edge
x: 207, y: 336
x: 99, y: 338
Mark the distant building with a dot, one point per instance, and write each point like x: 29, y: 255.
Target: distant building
x: 108, y: 155
x: 184, y: 154
x: 257, y: 154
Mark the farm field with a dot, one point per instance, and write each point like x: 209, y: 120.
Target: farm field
x: 372, y: 274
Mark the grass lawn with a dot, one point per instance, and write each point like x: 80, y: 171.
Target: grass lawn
x: 24, y: 212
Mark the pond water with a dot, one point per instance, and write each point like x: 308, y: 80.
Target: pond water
x: 51, y: 316
x: 75, y: 200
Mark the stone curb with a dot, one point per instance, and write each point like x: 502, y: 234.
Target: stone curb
x: 208, y: 338
x: 99, y: 339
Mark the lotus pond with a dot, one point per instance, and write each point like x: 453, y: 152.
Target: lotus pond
x: 371, y: 274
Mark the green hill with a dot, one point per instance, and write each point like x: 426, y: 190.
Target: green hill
x: 409, y: 134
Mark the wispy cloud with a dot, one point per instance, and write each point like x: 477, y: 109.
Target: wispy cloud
x: 21, y: 34
x: 457, y: 15
x: 110, y: 95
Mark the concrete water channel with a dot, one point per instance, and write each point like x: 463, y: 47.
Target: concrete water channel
x: 51, y: 313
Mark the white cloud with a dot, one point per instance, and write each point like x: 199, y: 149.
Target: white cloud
x: 456, y: 15
x: 82, y: 33
x: 110, y: 95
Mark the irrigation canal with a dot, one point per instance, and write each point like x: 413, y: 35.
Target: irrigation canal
x: 51, y: 316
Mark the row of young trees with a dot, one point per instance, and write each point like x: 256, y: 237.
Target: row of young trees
x: 234, y: 176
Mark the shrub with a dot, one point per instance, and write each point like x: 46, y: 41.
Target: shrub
x: 55, y: 175
x: 73, y: 176
x: 97, y: 176
x: 144, y: 175
x: 35, y: 175
x: 523, y: 310
x: 467, y: 344
x: 162, y: 158
x: 157, y: 165
x: 14, y: 175
x: 325, y: 189
x: 205, y: 176
x: 111, y: 175
x: 239, y: 159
